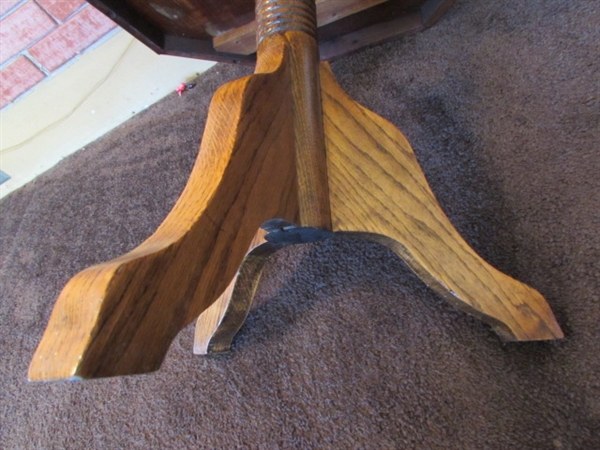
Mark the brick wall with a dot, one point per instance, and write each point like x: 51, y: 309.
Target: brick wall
x: 37, y: 37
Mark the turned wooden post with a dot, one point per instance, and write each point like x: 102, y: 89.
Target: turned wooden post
x: 295, y: 21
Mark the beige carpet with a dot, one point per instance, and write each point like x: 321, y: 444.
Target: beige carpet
x: 347, y: 349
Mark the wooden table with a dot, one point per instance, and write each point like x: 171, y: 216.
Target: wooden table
x: 284, y: 143
x: 225, y: 30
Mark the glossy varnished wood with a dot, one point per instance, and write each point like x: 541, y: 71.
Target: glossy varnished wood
x: 190, y: 28
x: 242, y: 40
x: 120, y: 317
x: 285, y: 142
x: 378, y: 188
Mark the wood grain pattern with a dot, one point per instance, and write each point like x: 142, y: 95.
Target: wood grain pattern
x: 217, y: 326
x: 242, y: 40
x: 377, y: 187
x: 214, y: 317
x: 120, y: 317
x: 294, y: 22
x: 243, y: 289
x: 379, y: 193
x: 311, y: 159
x: 285, y: 142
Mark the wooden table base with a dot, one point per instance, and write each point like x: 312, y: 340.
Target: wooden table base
x: 284, y: 143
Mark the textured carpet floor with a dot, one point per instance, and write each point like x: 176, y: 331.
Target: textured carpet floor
x: 347, y: 348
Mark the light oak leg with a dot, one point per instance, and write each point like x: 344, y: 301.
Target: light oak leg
x: 121, y: 316
x: 378, y: 188
x: 286, y: 142
x: 378, y: 192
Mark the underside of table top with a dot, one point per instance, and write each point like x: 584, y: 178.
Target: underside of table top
x: 224, y: 30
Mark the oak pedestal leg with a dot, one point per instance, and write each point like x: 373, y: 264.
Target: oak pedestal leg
x: 120, y: 317
x: 285, y: 142
x: 377, y: 187
x: 379, y: 192
x: 217, y: 317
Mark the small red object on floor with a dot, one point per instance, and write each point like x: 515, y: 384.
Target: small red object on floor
x: 184, y: 87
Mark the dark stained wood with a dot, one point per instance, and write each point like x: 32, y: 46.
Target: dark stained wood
x: 186, y: 47
x: 200, y: 19
x: 372, y: 33
x: 384, y: 12
x: 379, y: 24
x: 129, y: 19
x: 242, y: 40
x: 188, y: 27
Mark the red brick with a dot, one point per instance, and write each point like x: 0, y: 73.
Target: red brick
x: 24, y: 26
x: 17, y: 78
x: 72, y: 37
x: 5, y: 5
x: 60, y: 9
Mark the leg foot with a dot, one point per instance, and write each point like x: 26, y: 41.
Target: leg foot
x: 377, y: 187
x: 120, y: 317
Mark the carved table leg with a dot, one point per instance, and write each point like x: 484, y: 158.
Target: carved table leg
x: 120, y: 317
x: 285, y: 142
x: 377, y: 187
x: 379, y: 192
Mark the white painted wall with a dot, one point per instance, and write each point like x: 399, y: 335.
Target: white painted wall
x: 103, y: 88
